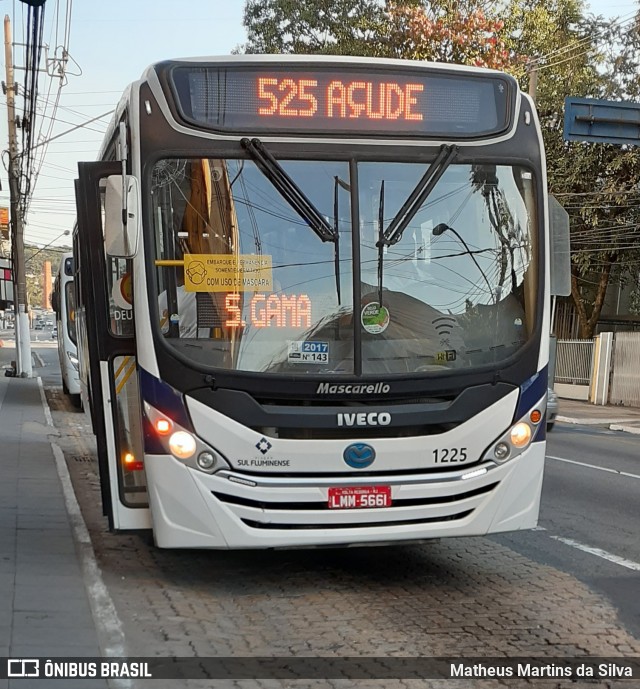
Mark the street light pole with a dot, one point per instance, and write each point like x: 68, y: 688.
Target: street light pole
x: 46, y: 246
x: 23, y: 336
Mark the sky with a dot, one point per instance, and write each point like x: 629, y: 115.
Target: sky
x: 110, y: 45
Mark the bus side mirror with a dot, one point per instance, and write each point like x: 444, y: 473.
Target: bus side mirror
x: 560, y: 247
x: 54, y: 302
x: 121, y: 240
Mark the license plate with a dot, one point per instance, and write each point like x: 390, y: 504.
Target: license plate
x: 359, y: 497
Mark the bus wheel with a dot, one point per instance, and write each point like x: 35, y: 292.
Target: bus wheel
x: 76, y: 400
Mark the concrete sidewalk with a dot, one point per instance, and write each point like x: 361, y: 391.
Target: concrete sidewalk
x: 616, y: 418
x: 44, y: 605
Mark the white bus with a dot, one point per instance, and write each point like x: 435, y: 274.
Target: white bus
x: 313, y: 301
x: 63, y: 303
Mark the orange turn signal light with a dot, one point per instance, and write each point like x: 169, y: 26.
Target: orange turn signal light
x: 535, y: 416
x: 163, y: 426
x: 131, y: 463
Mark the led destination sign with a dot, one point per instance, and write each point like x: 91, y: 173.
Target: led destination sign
x: 341, y: 100
x: 358, y: 99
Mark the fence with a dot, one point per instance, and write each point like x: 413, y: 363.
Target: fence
x: 608, y: 372
x: 625, y: 379
x: 574, y: 361
x: 574, y: 368
x: 566, y: 321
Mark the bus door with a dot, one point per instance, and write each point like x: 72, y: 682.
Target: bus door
x: 107, y: 306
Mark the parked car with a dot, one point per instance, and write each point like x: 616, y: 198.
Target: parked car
x: 552, y: 408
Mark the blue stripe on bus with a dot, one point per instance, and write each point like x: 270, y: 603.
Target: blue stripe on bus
x: 531, y: 391
x: 164, y: 398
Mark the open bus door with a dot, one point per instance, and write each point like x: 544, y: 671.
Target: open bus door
x: 106, y: 305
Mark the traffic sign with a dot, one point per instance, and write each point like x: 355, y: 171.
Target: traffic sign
x: 601, y: 121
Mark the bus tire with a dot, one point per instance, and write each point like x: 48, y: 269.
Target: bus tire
x: 76, y: 400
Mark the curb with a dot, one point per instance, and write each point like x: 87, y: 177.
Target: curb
x: 613, y: 424
x: 590, y: 421
x: 108, y: 626
x: 626, y: 429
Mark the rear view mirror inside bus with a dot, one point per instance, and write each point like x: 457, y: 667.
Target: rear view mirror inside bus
x: 120, y: 239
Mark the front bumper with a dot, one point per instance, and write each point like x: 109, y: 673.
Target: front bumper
x: 191, y: 509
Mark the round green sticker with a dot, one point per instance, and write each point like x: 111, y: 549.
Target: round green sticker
x: 374, y: 318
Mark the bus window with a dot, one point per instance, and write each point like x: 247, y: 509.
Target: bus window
x: 128, y: 432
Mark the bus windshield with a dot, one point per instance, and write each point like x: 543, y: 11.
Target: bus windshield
x: 244, y: 283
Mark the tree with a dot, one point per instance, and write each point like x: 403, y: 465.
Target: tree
x: 573, y: 52
x: 596, y: 183
x: 337, y: 27
x: 35, y: 259
x: 443, y: 30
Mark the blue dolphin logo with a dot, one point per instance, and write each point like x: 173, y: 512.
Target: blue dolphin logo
x: 359, y: 455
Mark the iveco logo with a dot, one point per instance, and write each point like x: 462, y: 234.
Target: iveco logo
x: 362, y: 419
x: 359, y: 455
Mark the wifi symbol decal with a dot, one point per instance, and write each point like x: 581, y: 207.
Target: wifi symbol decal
x: 444, y: 324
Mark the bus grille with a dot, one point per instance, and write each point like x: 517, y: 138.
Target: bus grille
x: 361, y: 525
x: 363, y: 432
x: 261, y: 514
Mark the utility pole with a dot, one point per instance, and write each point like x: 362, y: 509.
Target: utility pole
x: 533, y: 81
x: 23, y: 336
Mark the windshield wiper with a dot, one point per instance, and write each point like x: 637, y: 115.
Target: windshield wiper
x: 288, y: 189
x: 410, y: 207
x: 418, y: 196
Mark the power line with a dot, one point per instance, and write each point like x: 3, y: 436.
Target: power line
x: 596, y: 193
x: 538, y: 62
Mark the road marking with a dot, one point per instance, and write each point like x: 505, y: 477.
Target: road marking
x: 598, y: 552
x: 594, y: 466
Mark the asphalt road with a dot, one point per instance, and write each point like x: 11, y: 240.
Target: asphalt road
x: 590, y: 500
x: 44, y: 349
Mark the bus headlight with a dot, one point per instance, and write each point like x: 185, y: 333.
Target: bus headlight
x: 518, y: 438
x: 182, y: 444
x: 520, y: 434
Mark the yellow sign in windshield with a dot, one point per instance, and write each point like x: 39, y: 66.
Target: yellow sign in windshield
x: 226, y: 273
